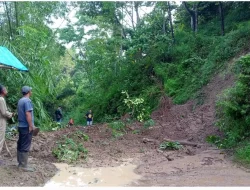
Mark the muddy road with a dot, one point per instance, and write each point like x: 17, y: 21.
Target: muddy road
x: 137, y: 154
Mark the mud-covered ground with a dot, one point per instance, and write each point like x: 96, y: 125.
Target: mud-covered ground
x: 198, y: 165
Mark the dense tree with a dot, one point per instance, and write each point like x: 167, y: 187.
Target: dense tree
x: 121, y: 39
x: 25, y: 33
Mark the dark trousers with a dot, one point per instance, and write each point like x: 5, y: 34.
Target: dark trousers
x: 25, y: 138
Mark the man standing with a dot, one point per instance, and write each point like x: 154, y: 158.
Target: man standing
x: 26, y: 128
x: 89, y: 117
x: 4, y: 115
x: 58, y: 113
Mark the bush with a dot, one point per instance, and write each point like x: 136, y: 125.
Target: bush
x: 81, y: 135
x: 117, y: 125
x: 233, y: 106
x: 69, y: 151
x: 70, y: 148
x: 196, y: 58
x: 170, y: 146
x: 137, y: 108
x: 242, y: 154
x: 180, y: 70
x: 118, y: 128
x: 148, y: 123
x: 215, y: 140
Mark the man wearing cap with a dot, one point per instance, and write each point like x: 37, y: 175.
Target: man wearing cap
x: 26, y: 128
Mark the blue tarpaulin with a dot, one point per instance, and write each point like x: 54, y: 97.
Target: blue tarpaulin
x: 8, y: 60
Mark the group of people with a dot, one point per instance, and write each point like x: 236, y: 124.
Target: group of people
x: 26, y: 127
x: 89, y: 117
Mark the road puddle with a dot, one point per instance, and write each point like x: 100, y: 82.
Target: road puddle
x: 70, y: 176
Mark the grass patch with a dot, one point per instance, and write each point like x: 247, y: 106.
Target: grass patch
x: 242, y: 154
x: 148, y: 123
x: 118, y: 128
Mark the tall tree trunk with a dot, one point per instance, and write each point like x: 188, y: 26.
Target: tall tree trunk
x: 164, y: 23
x: 136, y: 4
x: 16, y: 14
x: 132, y: 12
x: 121, y: 46
x: 9, y: 21
x: 170, y: 21
x: 119, y: 24
x: 194, y: 16
x: 2, y: 30
x: 221, y: 10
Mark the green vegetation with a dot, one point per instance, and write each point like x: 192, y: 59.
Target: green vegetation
x: 70, y: 149
x: 136, y: 107
x: 118, y: 128
x: 146, y: 62
x: 11, y: 132
x: 233, y: 106
x: 243, y: 154
x: 170, y: 146
x: 25, y: 33
x: 233, y: 111
x: 149, y: 123
x: 215, y: 140
x: 123, y: 47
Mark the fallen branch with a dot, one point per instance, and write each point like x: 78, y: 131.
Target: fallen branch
x: 182, y: 142
x: 145, y: 140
